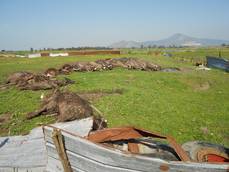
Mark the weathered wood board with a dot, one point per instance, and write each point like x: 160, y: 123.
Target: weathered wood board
x: 28, y: 153
x: 87, y: 156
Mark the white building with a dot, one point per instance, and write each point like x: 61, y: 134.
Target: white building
x: 34, y: 55
x: 58, y: 54
x: 21, y: 56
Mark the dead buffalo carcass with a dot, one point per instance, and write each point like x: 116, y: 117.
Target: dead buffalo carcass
x: 19, y: 77
x: 139, y: 64
x: 106, y: 65
x: 119, y: 62
x: 66, y: 69
x: 86, y: 66
x: 51, y: 72
x: 132, y: 63
x: 30, y: 81
x: 109, y: 64
x: 80, y: 67
x: 66, y: 106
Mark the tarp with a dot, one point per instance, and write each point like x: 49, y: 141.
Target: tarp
x: 219, y: 63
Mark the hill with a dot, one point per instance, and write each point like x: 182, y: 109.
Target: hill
x: 176, y: 40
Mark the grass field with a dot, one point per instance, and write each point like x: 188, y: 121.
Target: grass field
x: 189, y: 105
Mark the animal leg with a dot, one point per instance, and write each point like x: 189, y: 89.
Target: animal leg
x: 36, y: 113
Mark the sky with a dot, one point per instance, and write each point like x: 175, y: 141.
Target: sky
x: 72, y: 23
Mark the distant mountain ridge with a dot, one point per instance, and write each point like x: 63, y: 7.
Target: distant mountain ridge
x: 177, y: 39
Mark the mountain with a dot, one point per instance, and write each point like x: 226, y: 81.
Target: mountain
x: 176, y: 39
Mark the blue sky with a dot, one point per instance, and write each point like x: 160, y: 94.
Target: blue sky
x: 67, y: 23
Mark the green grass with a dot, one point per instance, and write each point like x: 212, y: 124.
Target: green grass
x: 10, y: 65
x: 170, y: 103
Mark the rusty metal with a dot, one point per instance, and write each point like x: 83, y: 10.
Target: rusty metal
x: 211, y: 155
x: 113, y: 134
x: 133, y: 148
x: 216, y: 158
x: 127, y: 133
x: 179, y: 150
x: 164, y: 167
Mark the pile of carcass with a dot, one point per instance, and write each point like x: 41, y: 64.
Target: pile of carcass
x: 105, y: 64
x: 31, y: 81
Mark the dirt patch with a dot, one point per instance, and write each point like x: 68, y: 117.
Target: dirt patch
x: 4, y: 118
x: 198, y: 85
x: 202, y: 86
x: 30, y: 81
x: 186, y: 69
x: 95, y: 95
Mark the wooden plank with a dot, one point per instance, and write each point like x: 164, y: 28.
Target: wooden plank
x: 11, y: 169
x: 55, y: 165
x: 29, y: 150
x: 23, y: 152
x: 5, y: 169
x: 110, y: 157
x: 80, y: 127
x: 31, y: 169
x: 80, y: 162
x: 17, y: 153
x: 197, y: 167
x: 91, y: 165
x: 26, y: 153
x: 115, y: 158
x: 59, y: 146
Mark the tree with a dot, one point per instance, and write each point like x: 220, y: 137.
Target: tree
x: 31, y: 49
x: 142, y: 46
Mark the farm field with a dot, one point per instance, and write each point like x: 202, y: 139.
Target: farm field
x: 188, y: 105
